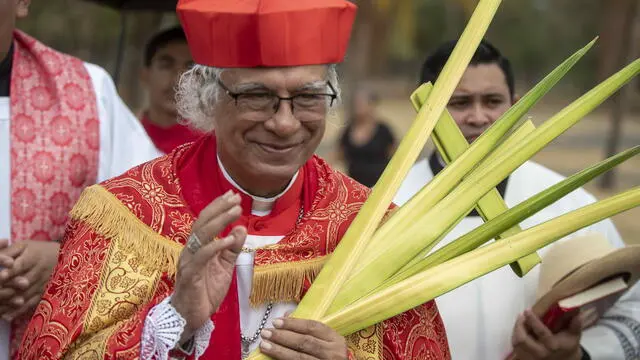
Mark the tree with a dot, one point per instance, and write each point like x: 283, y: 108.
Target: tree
x: 617, y: 47
x: 369, y: 48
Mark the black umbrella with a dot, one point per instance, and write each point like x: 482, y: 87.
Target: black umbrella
x: 132, y: 5
x: 149, y: 5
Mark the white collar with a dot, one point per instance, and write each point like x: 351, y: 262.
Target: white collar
x: 261, y: 206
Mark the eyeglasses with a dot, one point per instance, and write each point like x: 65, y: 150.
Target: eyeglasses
x: 260, y: 106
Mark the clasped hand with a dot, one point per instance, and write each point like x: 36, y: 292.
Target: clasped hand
x: 26, y: 268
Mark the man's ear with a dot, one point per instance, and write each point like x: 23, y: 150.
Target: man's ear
x: 515, y: 99
x: 22, y: 8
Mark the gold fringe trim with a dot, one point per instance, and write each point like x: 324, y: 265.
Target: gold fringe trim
x: 106, y: 215
x: 283, y: 282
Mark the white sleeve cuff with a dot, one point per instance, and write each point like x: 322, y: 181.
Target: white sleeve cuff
x: 162, y: 329
x: 202, y: 338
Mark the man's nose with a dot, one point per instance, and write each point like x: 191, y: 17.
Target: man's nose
x: 479, y: 116
x: 283, y: 122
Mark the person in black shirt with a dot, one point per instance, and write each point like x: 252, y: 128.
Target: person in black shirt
x: 367, y: 143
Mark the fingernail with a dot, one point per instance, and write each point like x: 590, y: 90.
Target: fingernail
x: 236, y: 197
x: 228, y: 239
x: 265, y: 345
x: 227, y: 195
x: 266, y: 334
x: 278, y: 323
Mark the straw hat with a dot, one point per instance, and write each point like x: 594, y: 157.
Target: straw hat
x: 578, y: 263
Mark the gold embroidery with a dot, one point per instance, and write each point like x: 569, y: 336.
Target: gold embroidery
x: 279, y: 272
x: 136, y: 259
x: 110, y: 218
x: 283, y: 282
x: 90, y: 346
x: 122, y: 292
x: 366, y: 344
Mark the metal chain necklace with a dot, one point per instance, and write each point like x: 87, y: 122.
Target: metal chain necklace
x: 247, y: 341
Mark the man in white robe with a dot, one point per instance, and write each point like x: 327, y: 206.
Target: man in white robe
x: 480, y: 316
x: 62, y: 127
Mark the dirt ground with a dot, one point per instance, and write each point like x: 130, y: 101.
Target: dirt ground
x: 576, y: 149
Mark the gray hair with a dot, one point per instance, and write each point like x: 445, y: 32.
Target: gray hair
x: 198, y: 93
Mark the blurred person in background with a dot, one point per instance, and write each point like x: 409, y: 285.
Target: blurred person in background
x: 166, y: 57
x: 62, y: 127
x: 367, y: 143
x: 480, y: 316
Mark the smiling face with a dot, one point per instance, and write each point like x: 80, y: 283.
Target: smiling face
x: 262, y: 153
x: 482, y: 96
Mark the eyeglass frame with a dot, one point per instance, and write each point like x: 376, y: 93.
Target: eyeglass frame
x: 276, y: 107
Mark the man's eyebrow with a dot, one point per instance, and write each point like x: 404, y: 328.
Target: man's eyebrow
x: 460, y: 96
x: 249, y: 87
x: 313, y: 86
x: 164, y: 57
x: 493, y: 94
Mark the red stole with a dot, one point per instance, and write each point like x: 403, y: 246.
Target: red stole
x: 168, y: 138
x: 55, y: 138
x: 203, y: 181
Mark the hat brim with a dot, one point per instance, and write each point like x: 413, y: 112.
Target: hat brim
x: 624, y: 261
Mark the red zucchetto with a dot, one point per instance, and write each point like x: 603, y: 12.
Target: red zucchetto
x: 266, y: 33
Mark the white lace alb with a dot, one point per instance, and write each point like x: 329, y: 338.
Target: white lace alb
x: 162, y: 329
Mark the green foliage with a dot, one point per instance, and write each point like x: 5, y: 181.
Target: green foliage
x: 534, y: 34
x: 76, y: 27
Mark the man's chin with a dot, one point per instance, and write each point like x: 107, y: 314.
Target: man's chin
x: 276, y: 164
x: 268, y: 171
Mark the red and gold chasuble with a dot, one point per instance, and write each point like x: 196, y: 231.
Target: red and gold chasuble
x: 121, y: 249
x: 54, y: 142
